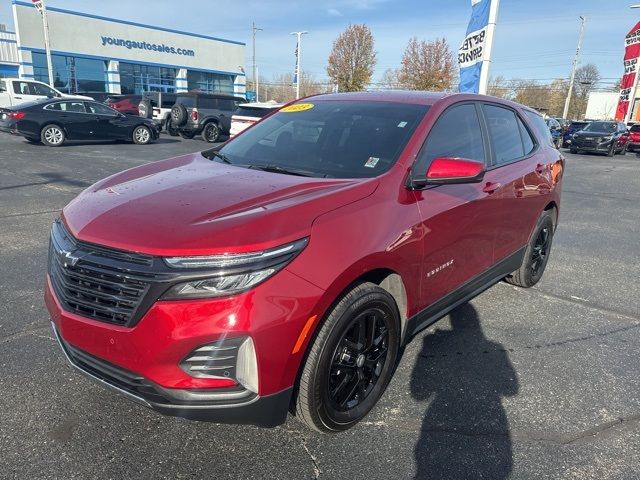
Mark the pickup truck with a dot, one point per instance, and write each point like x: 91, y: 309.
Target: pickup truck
x: 14, y: 91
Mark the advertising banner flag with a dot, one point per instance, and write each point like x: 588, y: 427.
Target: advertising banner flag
x: 629, y: 80
x: 473, y: 50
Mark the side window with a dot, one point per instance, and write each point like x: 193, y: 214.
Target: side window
x: 3, y: 86
x: 22, y: 88
x: 527, y: 141
x: 208, y: 103
x: 504, y: 133
x: 44, y: 90
x: 99, y: 109
x: 456, y: 134
x: 541, y: 127
x: 75, y: 107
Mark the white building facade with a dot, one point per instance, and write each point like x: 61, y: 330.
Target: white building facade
x: 91, y: 53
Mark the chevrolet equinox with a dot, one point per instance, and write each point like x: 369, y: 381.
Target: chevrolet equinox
x: 285, y: 270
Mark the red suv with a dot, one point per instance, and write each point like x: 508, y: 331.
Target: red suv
x: 285, y: 270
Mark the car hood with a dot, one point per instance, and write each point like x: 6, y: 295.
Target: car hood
x: 193, y: 206
x: 582, y: 133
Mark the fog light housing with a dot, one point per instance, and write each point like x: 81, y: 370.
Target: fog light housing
x: 229, y: 359
x: 247, y: 366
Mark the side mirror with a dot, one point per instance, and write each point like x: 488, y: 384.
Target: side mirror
x: 448, y: 170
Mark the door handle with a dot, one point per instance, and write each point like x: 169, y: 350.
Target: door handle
x: 540, y: 168
x: 18, y: 98
x: 491, y: 187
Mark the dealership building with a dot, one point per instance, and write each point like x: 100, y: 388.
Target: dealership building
x: 91, y: 53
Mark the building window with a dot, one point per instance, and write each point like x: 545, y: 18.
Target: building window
x: 71, y: 74
x: 137, y: 79
x: 209, y: 82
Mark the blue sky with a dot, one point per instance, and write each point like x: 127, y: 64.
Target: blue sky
x: 536, y: 39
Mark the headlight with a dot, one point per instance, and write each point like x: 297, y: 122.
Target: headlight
x: 219, y: 286
x: 229, y: 274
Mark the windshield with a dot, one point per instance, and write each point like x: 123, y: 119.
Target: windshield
x: 337, y: 139
x: 607, y: 127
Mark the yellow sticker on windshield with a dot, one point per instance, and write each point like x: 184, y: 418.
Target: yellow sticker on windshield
x: 297, y: 107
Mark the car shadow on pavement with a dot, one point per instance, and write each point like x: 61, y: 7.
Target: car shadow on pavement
x: 463, y: 375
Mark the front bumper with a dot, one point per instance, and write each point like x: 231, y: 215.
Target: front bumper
x: 230, y: 406
x: 591, y: 147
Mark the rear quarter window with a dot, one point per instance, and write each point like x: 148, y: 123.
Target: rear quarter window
x: 540, y: 127
x: 252, y: 112
x: 187, y: 101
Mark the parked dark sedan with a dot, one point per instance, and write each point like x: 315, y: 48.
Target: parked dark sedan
x: 574, y: 127
x: 52, y: 122
x: 601, y: 137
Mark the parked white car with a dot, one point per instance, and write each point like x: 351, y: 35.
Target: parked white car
x: 14, y: 91
x: 249, y: 113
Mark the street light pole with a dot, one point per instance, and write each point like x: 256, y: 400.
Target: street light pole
x: 42, y: 8
x: 576, y: 60
x: 255, y: 65
x: 298, y: 55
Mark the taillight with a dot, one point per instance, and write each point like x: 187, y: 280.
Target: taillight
x: 16, y: 115
x: 194, y: 116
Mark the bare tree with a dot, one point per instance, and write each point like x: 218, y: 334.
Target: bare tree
x: 499, y: 87
x: 281, y: 89
x: 389, y: 80
x: 428, y: 65
x: 587, y: 79
x: 352, y: 59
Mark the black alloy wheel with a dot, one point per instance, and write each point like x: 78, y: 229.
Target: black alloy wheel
x: 350, y: 361
x: 536, y: 255
x: 211, y: 132
x: 358, y: 360
x: 540, y: 253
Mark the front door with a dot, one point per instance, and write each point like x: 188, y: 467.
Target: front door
x: 458, y: 220
x: 106, y: 124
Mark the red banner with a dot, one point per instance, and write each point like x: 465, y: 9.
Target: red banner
x: 631, y: 58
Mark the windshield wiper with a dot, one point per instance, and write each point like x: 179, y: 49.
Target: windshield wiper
x: 221, y: 156
x: 278, y: 169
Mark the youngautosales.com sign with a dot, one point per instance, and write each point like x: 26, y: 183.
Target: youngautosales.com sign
x: 154, y: 47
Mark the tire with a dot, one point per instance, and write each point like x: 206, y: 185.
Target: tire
x: 536, y: 255
x: 178, y: 115
x: 52, y: 135
x: 169, y: 128
x: 337, y: 359
x: 573, y: 150
x: 145, y: 110
x: 187, y: 135
x: 624, y: 149
x: 141, y: 135
x: 211, y: 132
x: 612, y: 150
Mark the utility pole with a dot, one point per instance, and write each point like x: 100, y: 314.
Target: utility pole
x: 576, y: 60
x: 42, y: 8
x: 488, y: 56
x: 298, y: 55
x: 255, y: 65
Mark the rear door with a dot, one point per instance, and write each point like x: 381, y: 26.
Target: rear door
x: 24, y: 92
x: 459, y: 221
x: 73, y: 116
x: 521, y: 165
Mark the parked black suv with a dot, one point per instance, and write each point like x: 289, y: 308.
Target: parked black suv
x: 207, y: 114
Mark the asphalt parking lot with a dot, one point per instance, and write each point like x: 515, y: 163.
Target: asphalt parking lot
x: 522, y: 384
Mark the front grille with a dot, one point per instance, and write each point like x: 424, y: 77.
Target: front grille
x: 97, y: 282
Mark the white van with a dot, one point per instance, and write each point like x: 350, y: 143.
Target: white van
x: 14, y: 91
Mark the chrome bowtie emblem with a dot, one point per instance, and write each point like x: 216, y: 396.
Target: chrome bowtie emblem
x: 69, y: 259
